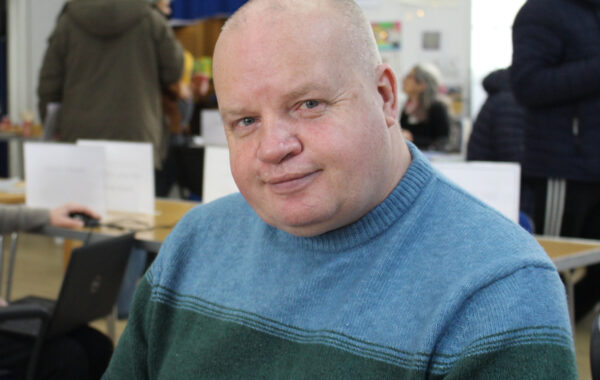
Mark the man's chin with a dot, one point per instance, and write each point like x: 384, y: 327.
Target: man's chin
x: 303, y: 227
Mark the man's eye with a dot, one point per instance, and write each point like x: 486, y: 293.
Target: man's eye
x: 247, y: 121
x: 311, y: 104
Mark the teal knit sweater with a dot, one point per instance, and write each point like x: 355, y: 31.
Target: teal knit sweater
x: 430, y: 284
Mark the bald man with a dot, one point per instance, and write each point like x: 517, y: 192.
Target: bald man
x: 345, y: 255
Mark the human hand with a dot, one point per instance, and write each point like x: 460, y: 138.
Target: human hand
x: 3, y: 302
x: 59, y: 217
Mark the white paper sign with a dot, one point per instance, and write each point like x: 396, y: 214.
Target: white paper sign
x: 129, y: 175
x: 495, y: 183
x: 58, y: 173
x: 218, y: 180
x: 213, y: 131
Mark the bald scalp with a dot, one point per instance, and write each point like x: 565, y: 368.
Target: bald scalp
x: 354, y: 32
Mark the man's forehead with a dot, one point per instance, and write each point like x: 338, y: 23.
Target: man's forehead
x: 235, y: 101
x: 280, y: 19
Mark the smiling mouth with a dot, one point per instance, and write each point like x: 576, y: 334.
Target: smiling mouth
x: 292, y: 184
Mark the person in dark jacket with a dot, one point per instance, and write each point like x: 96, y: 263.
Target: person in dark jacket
x: 498, y: 130
x: 424, y: 119
x: 106, y: 63
x: 555, y: 74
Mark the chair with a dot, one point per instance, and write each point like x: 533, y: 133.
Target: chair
x: 595, y: 348
x: 12, y: 251
x: 27, y: 312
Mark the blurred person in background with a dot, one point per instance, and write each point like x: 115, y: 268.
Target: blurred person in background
x: 106, y: 63
x: 555, y: 75
x: 424, y: 119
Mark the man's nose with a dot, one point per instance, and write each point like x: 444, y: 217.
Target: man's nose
x: 278, y: 141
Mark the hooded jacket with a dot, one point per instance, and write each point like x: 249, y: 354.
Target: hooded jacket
x: 106, y: 62
x: 555, y: 74
x: 498, y: 130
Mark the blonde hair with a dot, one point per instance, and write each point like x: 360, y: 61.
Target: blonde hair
x: 428, y: 75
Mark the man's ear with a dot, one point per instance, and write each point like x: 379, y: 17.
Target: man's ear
x: 387, y: 86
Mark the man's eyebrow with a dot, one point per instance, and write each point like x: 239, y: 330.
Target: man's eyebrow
x: 233, y: 112
x: 294, y: 93
x: 303, y: 90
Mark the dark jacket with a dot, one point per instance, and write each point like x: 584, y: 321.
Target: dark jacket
x: 556, y: 74
x: 431, y: 133
x: 106, y: 62
x: 498, y: 131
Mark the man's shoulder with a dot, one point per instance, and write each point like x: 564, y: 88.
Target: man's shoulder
x: 482, y: 228
x: 216, y: 217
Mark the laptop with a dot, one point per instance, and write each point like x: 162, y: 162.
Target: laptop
x: 89, y: 290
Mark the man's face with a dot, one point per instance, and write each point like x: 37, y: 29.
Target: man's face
x: 308, y: 140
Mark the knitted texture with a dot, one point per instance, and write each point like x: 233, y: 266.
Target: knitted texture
x: 430, y: 283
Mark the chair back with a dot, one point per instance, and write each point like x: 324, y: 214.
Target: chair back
x: 595, y: 348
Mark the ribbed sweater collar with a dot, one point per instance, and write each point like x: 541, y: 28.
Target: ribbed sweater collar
x: 377, y: 220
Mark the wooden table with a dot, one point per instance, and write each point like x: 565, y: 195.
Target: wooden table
x: 152, y: 230
x: 568, y: 255
x: 13, y: 197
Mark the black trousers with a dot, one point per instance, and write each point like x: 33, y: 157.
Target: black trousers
x: 79, y: 355
x: 579, y: 217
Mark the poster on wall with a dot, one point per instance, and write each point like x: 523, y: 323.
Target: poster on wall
x: 431, y: 40
x: 388, y: 35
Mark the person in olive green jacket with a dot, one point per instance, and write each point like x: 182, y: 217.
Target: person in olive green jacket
x: 106, y: 63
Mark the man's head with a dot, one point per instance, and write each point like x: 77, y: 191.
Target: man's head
x: 310, y: 113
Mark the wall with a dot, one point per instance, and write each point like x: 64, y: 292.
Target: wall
x: 491, y: 42
x: 30, y: 22
x: 451, y: 18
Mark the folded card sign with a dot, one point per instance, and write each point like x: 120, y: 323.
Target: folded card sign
x: 57, y: 173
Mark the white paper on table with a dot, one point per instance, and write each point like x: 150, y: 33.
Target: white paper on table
x: 129, y: 175
x: 218, y: 180
x: 57, y: 173
x: 213, y: 131
x: 495, y: 183
x: 12, y: 185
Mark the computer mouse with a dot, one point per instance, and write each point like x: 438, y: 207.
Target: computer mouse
x: 87, y: 220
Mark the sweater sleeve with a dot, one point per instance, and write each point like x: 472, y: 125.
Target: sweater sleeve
x: 523, y: 334
x: 21, y: 218
x: 540, y: 76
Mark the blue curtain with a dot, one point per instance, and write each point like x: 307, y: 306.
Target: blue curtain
x: 198, y: 9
